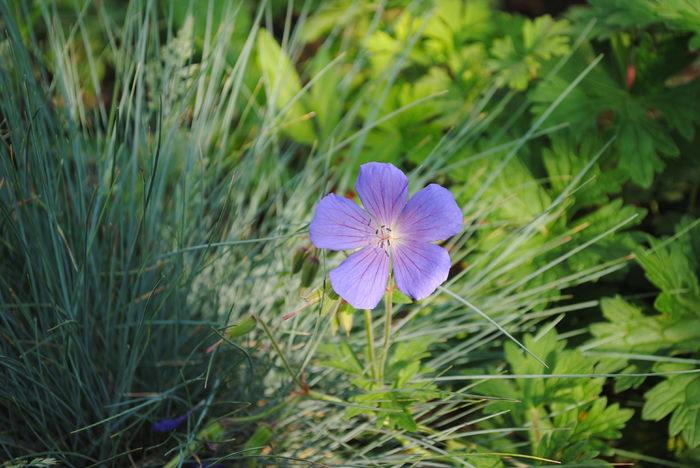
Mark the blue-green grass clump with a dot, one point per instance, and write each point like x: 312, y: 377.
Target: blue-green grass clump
x: 161, y: 301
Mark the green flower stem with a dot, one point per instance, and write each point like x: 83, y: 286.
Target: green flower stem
x: 370, y: 343
x: 324, y: 397
x: 288, y: 403
x: 298, y: 381
x: 291, y: 401
x: 387, y: 326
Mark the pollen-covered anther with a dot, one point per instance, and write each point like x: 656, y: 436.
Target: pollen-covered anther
x: 384, y: 235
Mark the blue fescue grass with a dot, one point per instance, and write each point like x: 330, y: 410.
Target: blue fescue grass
x: 101, y: 336
x: 142, y: 217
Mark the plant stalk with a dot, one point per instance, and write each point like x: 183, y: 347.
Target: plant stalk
x: 387, y: 326
x: 291, y: 372
x: 370, y: 343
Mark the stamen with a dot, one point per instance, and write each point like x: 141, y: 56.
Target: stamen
x: 383, y: 237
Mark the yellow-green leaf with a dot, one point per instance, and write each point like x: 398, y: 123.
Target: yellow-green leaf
x: 283, y: 88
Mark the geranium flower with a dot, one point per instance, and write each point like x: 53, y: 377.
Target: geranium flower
x: 390, y: 231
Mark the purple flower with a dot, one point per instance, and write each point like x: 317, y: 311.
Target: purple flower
x: 390, y: 230
x: 168, y: 425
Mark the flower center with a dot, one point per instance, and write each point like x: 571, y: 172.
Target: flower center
x: 384, y: 236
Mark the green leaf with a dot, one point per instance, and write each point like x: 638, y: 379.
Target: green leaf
x: 558, y: 403
x: 692, y: 392
x: 625, y: 383
x: 566, y: 158
x: 260, y: 437
x: 617, y: 245
x: 686, y: 421
x: 341, y: 357
x: 325, y: 93
x: 637, y: 152
x: 672, y: 268
x: 455, y: 22
x: 675, y: 329
x: 679, y: 394
x: 402, y: 419
x: 397, y: 297
x: 515, y: 193
x: 680, y: 15
x: 221, y: 10
x: 283, y: 87
x: 629, y: 330
x: 405, y: 362
x: 694, y: 43
x: 665, y: 397
x: 396, y: 402
x: 518, y: 59
x: 381, y: 145
x: 641, y: 114
x: 332, y: 14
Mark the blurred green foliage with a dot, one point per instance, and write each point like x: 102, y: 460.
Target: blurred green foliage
x: 570, y: 420
x: 671, y: 328
x: 556, y: 135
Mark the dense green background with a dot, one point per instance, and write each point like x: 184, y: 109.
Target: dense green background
x: 160, y: 162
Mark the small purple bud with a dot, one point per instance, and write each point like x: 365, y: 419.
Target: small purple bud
x: 167, y: 425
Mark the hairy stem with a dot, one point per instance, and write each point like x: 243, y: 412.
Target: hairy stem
x: 387, y: 327
x: 298, y: 381
x: 370, y: 343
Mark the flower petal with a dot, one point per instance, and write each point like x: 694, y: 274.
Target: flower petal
x: 419, y: 268
x: 383, y: 189
x: 339, y: 224
x: 361, y: 278
x: 430, y: 215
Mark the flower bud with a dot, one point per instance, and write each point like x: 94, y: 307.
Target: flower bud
x: 298, y: 259
x: 308, y: 271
